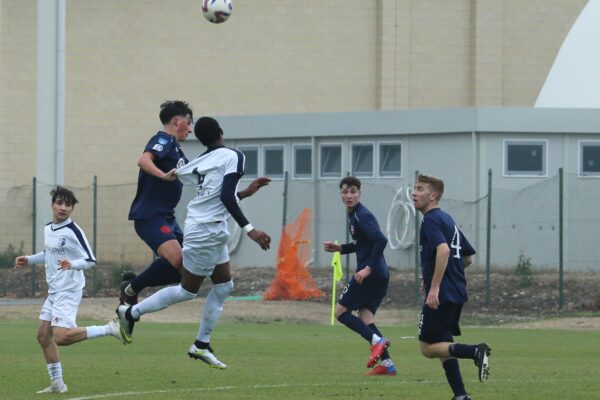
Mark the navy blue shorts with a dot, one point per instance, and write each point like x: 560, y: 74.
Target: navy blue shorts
x: 436, y: 326
x: 157, y: 231
x: 368, y: 295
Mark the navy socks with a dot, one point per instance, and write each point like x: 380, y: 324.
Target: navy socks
x: 159, y: 273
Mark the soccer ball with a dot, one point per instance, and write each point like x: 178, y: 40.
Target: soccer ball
x: 217, y: 11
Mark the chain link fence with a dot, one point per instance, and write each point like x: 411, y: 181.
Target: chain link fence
x: 525, y: 229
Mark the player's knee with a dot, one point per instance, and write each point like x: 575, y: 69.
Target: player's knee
x: 223, y: 290
x: 339, y: 313
x: 43, y: 339
x: 426, y: 351
x: 184, y: 295
x: 176, y: 260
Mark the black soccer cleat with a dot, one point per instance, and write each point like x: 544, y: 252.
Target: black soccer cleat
x: 124, y: 298
x: 482, y: 360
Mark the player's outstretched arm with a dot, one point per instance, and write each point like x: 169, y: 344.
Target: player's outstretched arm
x: 146, y: 163
x: 331, y: 247
x: 20, y: 262
x: 260, y: 237
x: 253, y: 187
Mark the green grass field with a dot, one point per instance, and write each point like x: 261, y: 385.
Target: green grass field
x: 295, y: 361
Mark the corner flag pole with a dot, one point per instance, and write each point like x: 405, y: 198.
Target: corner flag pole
x: 336, y: 263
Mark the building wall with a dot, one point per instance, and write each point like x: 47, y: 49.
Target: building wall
x: 123, y: 58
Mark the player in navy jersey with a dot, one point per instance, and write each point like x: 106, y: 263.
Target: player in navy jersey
x: 158, y: 192
x: 66, y: 255
x: 368, y: 286
x: 445, y: 253
x: 215, y: 174
x: 153, y: 212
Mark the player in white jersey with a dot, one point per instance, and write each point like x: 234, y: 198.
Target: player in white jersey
x: 66, y: 254
x: 215, y: 174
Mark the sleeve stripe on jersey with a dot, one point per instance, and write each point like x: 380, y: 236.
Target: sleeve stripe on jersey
x: 82, y: 241
x: 241, y: 161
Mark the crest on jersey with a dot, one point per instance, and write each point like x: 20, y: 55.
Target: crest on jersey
x: 157, y: 147
x: 61, y: 242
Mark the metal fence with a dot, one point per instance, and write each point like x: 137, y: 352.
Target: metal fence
x: 553, y: 225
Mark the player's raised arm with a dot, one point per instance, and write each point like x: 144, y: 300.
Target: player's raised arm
x: 228, y: 197
x: 253, y: 187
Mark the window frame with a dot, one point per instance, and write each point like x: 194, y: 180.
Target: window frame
x: 388, y: 143
x: 243, y: 149
x: 351, y: 154
x: 302, y: 146
x: 525, y: 174
x: 581, y: 145
x: 331, y: 144
x: 274, y: 146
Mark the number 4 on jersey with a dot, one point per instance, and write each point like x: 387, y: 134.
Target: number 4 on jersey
x: 456, y: 242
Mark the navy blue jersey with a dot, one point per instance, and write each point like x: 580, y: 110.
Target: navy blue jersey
x: 438, y: 227
x: 369, y: 242
x: 155, y: 196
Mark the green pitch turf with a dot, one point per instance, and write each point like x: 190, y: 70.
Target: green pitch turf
x: 296, y: 361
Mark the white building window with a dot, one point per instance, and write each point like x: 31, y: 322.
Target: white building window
x: 525, y: 157
x: 331, y: 160
x: 589, y: 158
x: 302, y: 161
x: 274, y: 161
x: 251, y: 163
x: 362, y: 159
x: 390, y: 159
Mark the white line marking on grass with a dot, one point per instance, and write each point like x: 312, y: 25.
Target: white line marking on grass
x: 392, y: 381
x: 221, y: 388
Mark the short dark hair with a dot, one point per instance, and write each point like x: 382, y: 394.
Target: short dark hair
x: 175, y: 108
x: 350, y: 181
x: 64, y: 194
x: 436, y: 184
x: 208, y: 131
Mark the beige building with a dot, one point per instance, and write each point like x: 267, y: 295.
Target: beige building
x: 123, y: 58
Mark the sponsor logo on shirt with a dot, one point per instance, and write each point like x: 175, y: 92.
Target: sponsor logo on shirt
x: 162, y: 141
x: 59, y: 249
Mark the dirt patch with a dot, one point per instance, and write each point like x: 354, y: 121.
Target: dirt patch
x: 511, y: 304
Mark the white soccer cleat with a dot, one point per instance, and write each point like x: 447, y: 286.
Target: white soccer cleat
x: 115, y: 330
x: 54, y: 388
x: 205, y: 355
x: 125, y: 326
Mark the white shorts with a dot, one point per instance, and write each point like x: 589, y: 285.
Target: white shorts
x: 60, y: 308
x: 204, y: 246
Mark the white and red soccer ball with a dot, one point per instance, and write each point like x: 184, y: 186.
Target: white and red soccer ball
x: 217, y: 11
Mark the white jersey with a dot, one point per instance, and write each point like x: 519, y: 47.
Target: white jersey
x: 65, y: 241
x: 206, y: 172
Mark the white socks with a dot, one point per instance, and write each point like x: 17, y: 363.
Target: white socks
x: 95, y: 331
x: 55, y: 372
x: 376, y: 338
x: 213, y: 307
x: 161, y: 300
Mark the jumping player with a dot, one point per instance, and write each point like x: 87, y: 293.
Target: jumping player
x: 215, y: 174
x: 158, y: 192
x: 368, y: 286
x: 153, y: 213
x: 445, y: 253
x: 66, y: 255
